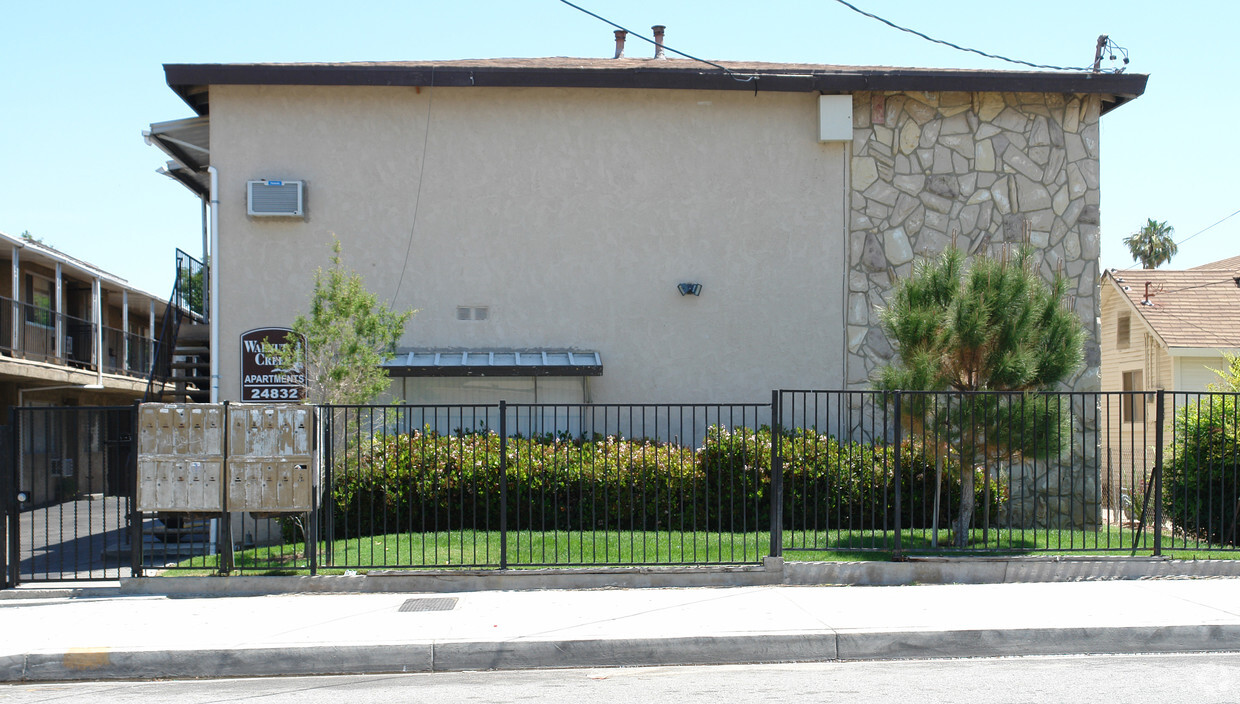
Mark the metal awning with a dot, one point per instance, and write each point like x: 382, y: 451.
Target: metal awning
x: 465, y: 362
x: 188, y: 143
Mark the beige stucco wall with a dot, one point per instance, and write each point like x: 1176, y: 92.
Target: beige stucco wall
x: 571, y: 214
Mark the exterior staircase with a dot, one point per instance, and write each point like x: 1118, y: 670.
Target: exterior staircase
x: 191, y: 365
x: 181, y: 372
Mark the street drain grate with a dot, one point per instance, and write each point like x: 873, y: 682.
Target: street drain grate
x: 441, y: 604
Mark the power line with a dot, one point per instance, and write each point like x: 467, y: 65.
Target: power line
x: 417, y: 200
x: 1201, y: 231
x: 1109, y: 45
x: 666, y: 47
x: 1230, y: 280
x: 1181, y: 319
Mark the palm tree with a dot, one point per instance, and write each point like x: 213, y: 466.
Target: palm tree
x: 1152, y: 244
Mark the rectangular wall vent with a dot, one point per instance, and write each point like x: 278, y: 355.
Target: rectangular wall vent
x: 276, y: 198
x: 472, y: 312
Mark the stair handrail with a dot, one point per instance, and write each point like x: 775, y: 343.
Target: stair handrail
x: 190, y: 290
x: 181, y: 303
x: 161, y: 360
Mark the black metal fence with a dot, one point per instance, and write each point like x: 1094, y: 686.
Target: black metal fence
x: 915, y: 472
x: 68, y: 477
x: 529, y: 485
x: 541, y: 485
x: 510, y: 485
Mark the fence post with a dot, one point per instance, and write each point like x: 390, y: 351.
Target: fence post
x: 135, y: 516
x: 1159, y: 410
x: 8, y: 503
x: 311, y: 533
x: 503, y: 485
x: 14, y: 517
x: 225, y: 528
x: 897, y: 552
x: 777, y: 480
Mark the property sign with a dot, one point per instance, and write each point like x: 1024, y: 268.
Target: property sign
x: 279, y: 377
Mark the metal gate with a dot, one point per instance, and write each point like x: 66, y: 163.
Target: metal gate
x: 69, y: 493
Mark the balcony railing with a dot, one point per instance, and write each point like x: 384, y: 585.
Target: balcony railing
x: 33, y: 332
x: 126, y: 353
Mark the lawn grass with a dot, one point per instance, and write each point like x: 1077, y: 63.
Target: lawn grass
x: 535, y: 549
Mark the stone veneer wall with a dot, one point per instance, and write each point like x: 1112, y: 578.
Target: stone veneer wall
x: 984, y: 169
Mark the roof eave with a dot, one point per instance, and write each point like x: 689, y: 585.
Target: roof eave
x: 1123, y: 296
x: 192, y: 81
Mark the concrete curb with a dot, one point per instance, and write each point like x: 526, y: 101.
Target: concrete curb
x: 59, y: 592
x: 1001, y: 571
x: 772, y: 571
x: 105, y: 664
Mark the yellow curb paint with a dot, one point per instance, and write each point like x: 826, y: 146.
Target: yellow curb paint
x: 87, y: 658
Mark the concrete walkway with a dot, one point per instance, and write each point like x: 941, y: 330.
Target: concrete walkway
x: 73, y: 633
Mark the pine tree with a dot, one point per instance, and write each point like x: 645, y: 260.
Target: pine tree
x: 994, y: 325
x: 349, y: 335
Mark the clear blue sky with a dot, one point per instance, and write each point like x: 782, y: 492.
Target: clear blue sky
x: 80, y: 81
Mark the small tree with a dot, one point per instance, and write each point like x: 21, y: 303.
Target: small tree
x: 1229, y: 378
x: 1152, y: 244
x: 349, y: 335
x: 992, y: 326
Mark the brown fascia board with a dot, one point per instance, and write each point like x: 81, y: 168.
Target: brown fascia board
x: 189, y: 80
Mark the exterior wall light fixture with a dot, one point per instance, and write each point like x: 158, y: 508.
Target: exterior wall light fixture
x: 686, y: 289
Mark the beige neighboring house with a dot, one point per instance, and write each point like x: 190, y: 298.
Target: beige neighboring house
x: 71, y: 334
x: 1161, y: 330
x: 542, y: 215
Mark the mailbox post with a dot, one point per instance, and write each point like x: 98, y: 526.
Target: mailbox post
x: 220, y: 458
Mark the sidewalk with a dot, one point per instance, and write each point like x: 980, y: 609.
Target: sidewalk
x: 105, y: 634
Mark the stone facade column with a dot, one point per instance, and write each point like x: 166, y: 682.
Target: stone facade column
x: 985, y: 170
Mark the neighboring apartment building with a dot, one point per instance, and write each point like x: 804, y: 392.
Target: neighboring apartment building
x: 631, y: 230
x: 71, y: 334
x: 1161, y: 330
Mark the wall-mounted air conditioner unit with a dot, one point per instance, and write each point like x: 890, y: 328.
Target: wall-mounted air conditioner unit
x: 269, y: 198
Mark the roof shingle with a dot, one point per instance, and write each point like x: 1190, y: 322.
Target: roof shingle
x: 1197, y: 307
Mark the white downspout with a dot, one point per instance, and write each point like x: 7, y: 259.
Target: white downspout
x: 124, y: 360
x: 213, y: 274
x: 60, y: 317
x: 150, y: 335
x: 19, y: 323
x: 96, y: 294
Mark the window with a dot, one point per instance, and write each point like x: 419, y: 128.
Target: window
x: 1123, y: 331
x: 1132, y: 404
x: 39, y: 294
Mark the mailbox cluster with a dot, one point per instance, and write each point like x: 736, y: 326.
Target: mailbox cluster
x: 189, y: 455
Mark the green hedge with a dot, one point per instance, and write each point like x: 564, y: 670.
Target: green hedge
x: 1201, y: 491
x: 421, y: 482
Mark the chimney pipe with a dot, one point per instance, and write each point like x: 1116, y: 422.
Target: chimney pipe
x: 658, y: 41
x: 620, y: 35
